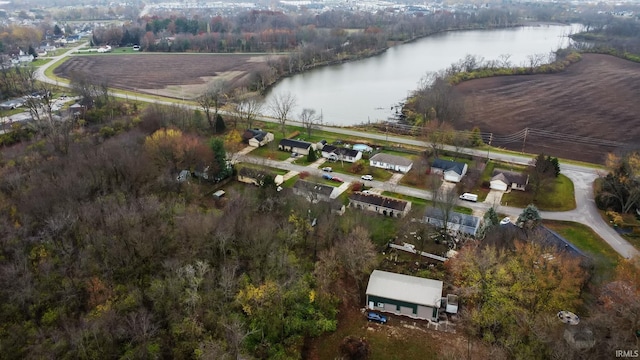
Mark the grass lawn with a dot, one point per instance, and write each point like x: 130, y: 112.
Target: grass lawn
x: 421, y: 181
x: 560, y: 198
x: 604, y: 257
x: 270, y: 152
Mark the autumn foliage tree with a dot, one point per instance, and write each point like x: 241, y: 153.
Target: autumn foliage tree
x: 511, y: 295
x: 170, y: 147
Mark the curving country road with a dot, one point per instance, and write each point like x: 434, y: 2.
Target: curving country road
x: 583, y: 177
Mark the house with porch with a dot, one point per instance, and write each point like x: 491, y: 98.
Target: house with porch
x: 451, y: 171
x: 391, y: 162
x: 503, y: 180
x: 380, y: 204
x: 257, y: 137
x: 297, y: 146
x: 411, y: 296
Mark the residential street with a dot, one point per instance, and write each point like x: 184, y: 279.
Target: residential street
x: 582, y: 176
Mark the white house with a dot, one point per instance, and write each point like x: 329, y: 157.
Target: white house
x: 335, y: 153
x: 451, y: 171
x: 411, y: 296
x: 503, y: 180
x: 257, y: 137
x: 391, y: 162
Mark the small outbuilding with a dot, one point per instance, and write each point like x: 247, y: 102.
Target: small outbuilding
x: 406, y: 295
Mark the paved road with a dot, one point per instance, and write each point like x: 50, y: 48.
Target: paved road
x: 582, y: 176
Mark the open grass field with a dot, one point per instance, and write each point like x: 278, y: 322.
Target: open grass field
x: 594, y: 98
x: 172, y: 75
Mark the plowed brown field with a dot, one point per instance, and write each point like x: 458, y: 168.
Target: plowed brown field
x: 173, y: 75
x: 583, y: 113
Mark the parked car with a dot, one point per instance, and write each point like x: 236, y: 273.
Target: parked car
x: 367, y: 177
x: 337, y: 179
x: 294, y: 154
x: 327, y: 176
x: 327, y: 169
x: 469, y: 197
x: 371, y: 316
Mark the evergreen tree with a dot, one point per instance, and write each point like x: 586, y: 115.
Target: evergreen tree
x: 57, y: 31
x: 312, y: 156
x: 220, y: 127
x: 529, y: 218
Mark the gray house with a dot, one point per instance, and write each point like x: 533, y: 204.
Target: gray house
x: 312, y: 191
x: 462, y: 223
x: 297, y: 146
x: 411, y: 296
x: 381, y: 204
x: 503, y: 180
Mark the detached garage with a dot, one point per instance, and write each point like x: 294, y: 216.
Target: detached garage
x: 411, y: 296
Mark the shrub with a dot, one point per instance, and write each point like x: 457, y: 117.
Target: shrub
x: 357, y: 167
x: 304, y: 175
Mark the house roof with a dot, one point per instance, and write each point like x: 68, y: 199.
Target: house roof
x: 501, y: 177
x: 465, y: 223
x: 340, y: 151
x: 378, y: 200
x: 254, y: 134
x: 509, y: 177
x: 546, y: 237
x: 313, y: 187
x: 391, y: 159
x: 449, y: 165
x: 406, y: 288
x: 295, y: 143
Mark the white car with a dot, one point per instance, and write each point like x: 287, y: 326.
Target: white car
x: 366, y: 177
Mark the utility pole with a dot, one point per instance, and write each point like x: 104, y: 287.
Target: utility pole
x: 524, y: 141
x: 489, y: 148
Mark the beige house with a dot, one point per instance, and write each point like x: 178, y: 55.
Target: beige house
x: 391, y: 162
x: 503, y: 180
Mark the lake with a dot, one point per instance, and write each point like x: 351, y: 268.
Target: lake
x: 367, y: 90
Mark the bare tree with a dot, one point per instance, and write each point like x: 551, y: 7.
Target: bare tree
x: 445, y: 200
x: 92, y: 91
x: 310, y: 120
x: 211, y: 100
x: 247, y: 110
x: 281, y: 105
x: 56, y: 128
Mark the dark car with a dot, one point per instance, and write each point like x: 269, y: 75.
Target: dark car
x: 371, y: 316
x: 327, y: 176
